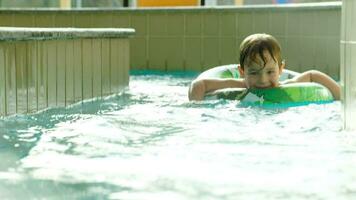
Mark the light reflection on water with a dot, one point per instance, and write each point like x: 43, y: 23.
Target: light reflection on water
x: 150, y: 143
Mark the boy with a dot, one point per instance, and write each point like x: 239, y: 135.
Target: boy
x: 260, y: 67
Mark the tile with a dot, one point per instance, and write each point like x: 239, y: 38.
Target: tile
x: 44, y: 19
x: 61, y: 72
x: 11, y: 87
x: 321, y: 53
x: 21, y: 76
x: 292, y: 54
x: 308, y: 23
x: 245, y: 24
x: 210, y: 52
x: 192, y: 54
x: 229, y: 53
x: 69, y: 79
x: 210, y: 24
x: 31, y: 63
x: 138, y: 53
x: 96, y: 64
x: 42, y: 78
x: 82, y: 19
x: 175, y: 24
x: 51, y: 48
x: 238, y: 43
x: 87, y: 69
x: 121, y: 68
x: 227, y: 22
x: 307, y: 55
x: 333, y: 27
x: 261, y: 22
x: 193, y: 23
x: 174, y: 48
x: 333, y: 57
x: 120, y: 20
x: 2, y: 81
x: 278, y: 23
x: 323, y: 22
x: 24, y: 20
x: 126, y: 61
x: 294, y: 24
x: 157, y: 24
x: 6, y: 19
x: 114, y: 66
x: 78, y: 70
x: 103, y: 19
x: 282, y: 40
x: 157, y: 53
x: 63, y: 19
x: 139, y: 22
x: 105, y: 67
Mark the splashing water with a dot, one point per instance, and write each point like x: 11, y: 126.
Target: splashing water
x: 151, y: 143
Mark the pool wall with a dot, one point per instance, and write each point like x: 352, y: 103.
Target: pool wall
x: 50, y: 67
x: 200, y: 38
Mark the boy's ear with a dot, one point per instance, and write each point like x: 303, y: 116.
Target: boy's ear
x: 281, y: 68
x: 241, y: 71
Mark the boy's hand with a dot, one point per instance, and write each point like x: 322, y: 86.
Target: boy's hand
x: 197, y: 90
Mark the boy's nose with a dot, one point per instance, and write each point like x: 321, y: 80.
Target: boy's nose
x: 263, y: 78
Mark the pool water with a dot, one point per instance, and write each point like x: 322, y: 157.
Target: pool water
x: 151, y: 143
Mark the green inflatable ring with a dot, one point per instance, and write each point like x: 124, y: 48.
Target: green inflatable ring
x: 293, y: 94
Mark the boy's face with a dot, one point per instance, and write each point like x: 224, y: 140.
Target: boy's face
x: 258, y: 76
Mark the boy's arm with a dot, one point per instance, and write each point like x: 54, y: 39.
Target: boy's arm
x: 321, y: 78
x: 199, y: 87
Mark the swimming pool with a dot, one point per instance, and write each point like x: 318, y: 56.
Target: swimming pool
x: 151, y: 143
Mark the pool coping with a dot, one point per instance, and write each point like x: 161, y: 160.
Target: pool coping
x: 29, y: 33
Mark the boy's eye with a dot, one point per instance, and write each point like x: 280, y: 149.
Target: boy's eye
x: 252, y: 73
x: 270, y: 72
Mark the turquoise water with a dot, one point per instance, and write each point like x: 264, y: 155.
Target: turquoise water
x: 151, y: 143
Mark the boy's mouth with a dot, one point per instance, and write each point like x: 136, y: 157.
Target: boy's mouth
x: 263, y: 87
x: 266, y: 86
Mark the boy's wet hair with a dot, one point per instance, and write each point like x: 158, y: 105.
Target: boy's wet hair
x: 254, y: 45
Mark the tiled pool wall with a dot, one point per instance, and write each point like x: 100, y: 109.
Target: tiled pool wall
x: 201, y: 38
x: 51, y: 67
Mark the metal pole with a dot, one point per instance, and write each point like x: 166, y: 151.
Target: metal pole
x: 348, y: 64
